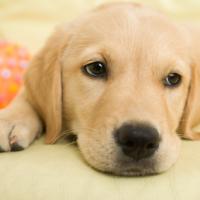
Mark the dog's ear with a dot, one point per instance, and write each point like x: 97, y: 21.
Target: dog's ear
x: 191, y: 115
x: 44, y: 86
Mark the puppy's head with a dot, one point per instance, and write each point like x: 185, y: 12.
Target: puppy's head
x: 123, y: 80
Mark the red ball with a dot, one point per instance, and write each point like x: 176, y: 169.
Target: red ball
x: 14, y: 60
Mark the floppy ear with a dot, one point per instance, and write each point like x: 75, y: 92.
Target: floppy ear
x: 191, y: 115
x: 43, y: 85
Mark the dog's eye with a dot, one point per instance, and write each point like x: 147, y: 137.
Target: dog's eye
x: 95, y: 69
x: 172, y: 80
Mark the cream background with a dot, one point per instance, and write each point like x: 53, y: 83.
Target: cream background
x: 58, y: 172
x: 29, y: 22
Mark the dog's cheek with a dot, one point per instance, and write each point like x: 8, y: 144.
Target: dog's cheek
x: 168, y: 152
x: 98, y: 152
x: 85, y: 95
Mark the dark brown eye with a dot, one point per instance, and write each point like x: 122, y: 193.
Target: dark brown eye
x: 172, y: 80
x: 95, y: 69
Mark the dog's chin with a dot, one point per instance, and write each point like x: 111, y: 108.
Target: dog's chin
x: 145, y: 167
x: 124, y: 166
x: 134, y: 172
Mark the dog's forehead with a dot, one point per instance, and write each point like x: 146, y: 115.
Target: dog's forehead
x: 128, y: 28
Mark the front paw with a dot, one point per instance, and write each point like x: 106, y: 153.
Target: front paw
x: 14, y: 136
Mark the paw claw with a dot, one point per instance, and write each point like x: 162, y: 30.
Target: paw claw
x: 1, y: 150
x: 16, y: 147
x: 16, y: 135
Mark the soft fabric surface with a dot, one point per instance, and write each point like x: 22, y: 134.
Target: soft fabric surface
x: 58, y: 171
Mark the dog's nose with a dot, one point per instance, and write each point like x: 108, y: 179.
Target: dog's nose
x: 137, y: 141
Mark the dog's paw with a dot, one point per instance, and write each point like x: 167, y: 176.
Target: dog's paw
x: 15, y: 136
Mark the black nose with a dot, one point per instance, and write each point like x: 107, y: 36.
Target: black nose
x: 137, y: 141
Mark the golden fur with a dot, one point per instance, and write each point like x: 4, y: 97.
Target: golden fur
x: 140, y: 46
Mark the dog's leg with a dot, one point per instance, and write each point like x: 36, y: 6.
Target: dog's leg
x: 19, y: 124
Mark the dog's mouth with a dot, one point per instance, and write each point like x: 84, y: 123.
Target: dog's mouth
x: 125, y: 166
x: 112, y: 161
x: 108, y: 157
x: 135, y: 172
x: 121, y: 165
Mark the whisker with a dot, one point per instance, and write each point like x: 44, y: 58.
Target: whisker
x: 90, y: 129
x: 69, y: 132
x: 71, y: 143
x: 64, y: 133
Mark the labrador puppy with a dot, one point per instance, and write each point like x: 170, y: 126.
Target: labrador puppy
x: 123, y: 78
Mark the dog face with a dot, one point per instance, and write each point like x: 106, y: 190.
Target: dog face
x: 119, y: 78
